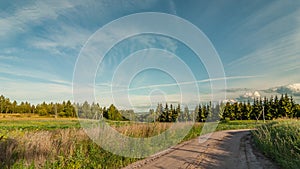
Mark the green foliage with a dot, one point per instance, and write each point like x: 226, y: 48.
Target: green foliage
x: 64, y: 109
x: 68, y: 149
x: 280, y: 140
x: 74, y: 150
x: 265, y: 108
x: 89, y: 155
x: 260, y: 109
x: 226, y: 120
x: 169, y: 114
x: 229, y: 125
x: 9, y: 125
x: 112, y: 113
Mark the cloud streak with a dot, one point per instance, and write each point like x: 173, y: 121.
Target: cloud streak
x: 32, y: 13
x: 275, y: 48
x: 171, y: 84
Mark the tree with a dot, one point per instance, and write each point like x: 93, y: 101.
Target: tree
x: 209, y: 111
x: 276, y: 107
x: 186, y: 114
x: 244, y: 112
x: 86, y: 110
x: 293, y: 108
x: 216, y: 112
x: 229, y: 111
x: 174, y: 113
x: 237, y: 111
x: 159, y: 112
x: 288, y: 106
x: 267, y: 108
x: 256, y: 110
x: 177, y: 112
x: 41, y: 109
x: 113, y: 113
x: 166, y: 113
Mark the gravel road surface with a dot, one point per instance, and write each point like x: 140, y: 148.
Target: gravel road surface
x: 223, y: 149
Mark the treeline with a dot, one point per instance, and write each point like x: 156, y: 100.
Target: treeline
x: 95, y: 111
x: 64, y: 109
x: 259, y: 109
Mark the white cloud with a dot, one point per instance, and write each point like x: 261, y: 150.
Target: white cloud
x: 9, y: 57
x: 256, y: 94
x: 244, y: 94
x: 172, y: 84
x: 229, y: 100
x: 122, y: 94
x: 249, y: 96
x: 271, y: 46
x: 55, y: 41
x: 16, y: 72
x: 25, y: 16
x: 35, y: 92
x: 291, y: 89
x: 294, y: 87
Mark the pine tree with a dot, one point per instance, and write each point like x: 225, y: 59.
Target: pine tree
x: 256, y: 110
x: 186, y: 114
x: 288, y: 106
x: 267, y: 108
x: 201, y: 114
x: 159, y: 113
x: 166, y: 113
x: 293, y: 108
x: 244, y: 112
x: 178, y: 112
x: 215, y: 112
x: 227, y: 111
x: 174, y: 114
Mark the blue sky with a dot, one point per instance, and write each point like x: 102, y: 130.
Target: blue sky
x: 257, y: 42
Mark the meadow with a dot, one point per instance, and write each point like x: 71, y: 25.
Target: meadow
x: 35, y: 142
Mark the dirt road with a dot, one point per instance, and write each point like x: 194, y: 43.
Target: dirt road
x: 224, y: 149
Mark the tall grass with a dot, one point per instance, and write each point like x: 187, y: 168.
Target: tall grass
x: 280, y: 140
x: 38, y: 147
x: 142, y: 130
x: 71, y: 147
x: 63, y: 148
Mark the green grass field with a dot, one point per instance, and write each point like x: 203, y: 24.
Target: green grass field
x: 60, y: 143
x: 280, y: 140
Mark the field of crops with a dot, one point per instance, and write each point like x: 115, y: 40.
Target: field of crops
x: 61, y: 143
x: 280, y: 140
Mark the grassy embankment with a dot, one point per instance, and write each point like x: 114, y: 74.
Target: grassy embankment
x: 280, y: 140
x: 35, y: 142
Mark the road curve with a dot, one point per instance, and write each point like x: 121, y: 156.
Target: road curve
x: 223, y: 149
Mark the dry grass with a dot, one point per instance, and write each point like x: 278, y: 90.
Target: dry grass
x: 39, y: 147
x: 62, y: 147
x: 143, y: 129
x: 29, y: 116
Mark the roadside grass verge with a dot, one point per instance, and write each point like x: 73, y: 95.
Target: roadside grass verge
x: 280, y: 141
x: 230, y: 125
